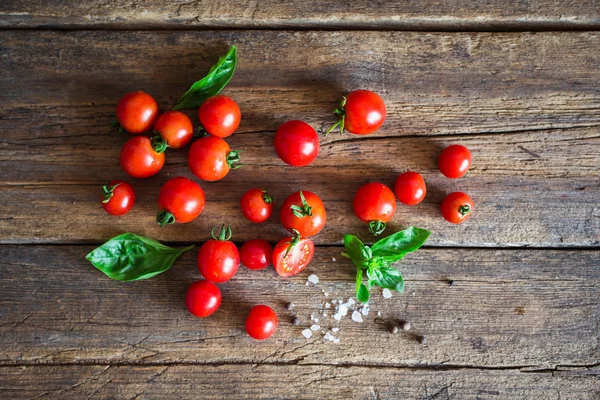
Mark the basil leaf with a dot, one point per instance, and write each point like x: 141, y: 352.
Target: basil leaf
x: 362, y: 294
x: 218, y: 76
x: 387, y: 277
x: 356, y: 251
x: 394, y: 247
x: 129, y: 257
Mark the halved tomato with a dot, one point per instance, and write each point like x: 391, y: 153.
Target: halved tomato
x: 292, y: 254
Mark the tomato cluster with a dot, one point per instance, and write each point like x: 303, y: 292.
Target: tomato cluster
x: 303, y: 214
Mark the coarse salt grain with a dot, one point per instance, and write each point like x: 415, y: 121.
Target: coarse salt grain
x: 315, y: 328
x: 386, y: 294
x: 327, y: 305
x: 326, y: 294
x: 365, y: 309
x: 356, y: 317
x: 307, y: 333
x: 342, y: 310
x: 329, y: 336
x: 313, y: 279
x: 333, y: 259
x: 335, y: 329
x: 379, y: 313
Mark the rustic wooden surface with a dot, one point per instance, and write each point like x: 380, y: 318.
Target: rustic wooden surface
x: 521, y: 320
x: 298, y: 14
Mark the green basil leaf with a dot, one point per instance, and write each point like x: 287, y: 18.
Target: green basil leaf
x: 356, y: 251
x: 387, y: 277
x: 129, y: 257
x: 362, y: 294
x: 218, y: 76
x: 394, y: 247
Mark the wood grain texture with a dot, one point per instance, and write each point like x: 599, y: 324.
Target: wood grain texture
x: 291, y: 381
x: 365, y: 14
x: 529, y: 309
x: 538, y: 187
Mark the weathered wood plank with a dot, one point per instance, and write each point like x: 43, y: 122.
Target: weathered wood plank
x: 538, y: 189
x: 508, y: 308
x: 387, y: 14
x: 67, y: 83
x: 290, y: 381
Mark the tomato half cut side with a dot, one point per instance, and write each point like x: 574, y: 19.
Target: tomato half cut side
x: 292, y: 254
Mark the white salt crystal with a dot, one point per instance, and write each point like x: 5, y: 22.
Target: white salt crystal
x: 327, y: 305
x: 336, y: 340
x: 328, y: 336
x: 307, y: 333
x: 326, y: 294
x: 334, y: 301
x: 342, y: 310
x: 335, y: 329
x: 315, y: 328
x: 365, y: 309
x: 386, y: 294
x: 313, y: 279
x: 379, y: 313
x: 350, y: 302
x: 333, y: 259
x: 356, y: 317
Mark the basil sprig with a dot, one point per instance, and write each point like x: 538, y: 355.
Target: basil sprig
x: 376, y: 260
x: 216, y: 79
x: 129, y: 257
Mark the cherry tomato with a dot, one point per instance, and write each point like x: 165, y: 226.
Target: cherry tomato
x: 180, y: 200
x: 375, y: 204
x: 175, y: 128
x: 219, y: 259
x: 256, y: 205
x: 296, y: 143
x: 410, y: 188
x: 261, y: 322
x: 292, y: 254
x: 219, y: 115
x: 256, y: 254
x: 304, y: 212
x: 136, y: 112
x: 210, y: 158
x: 361, y: 112
x: 139, y: 158
x: 455, y: 161
x: 457, y: 207
x: 203, y: 298
x: 118, y: 197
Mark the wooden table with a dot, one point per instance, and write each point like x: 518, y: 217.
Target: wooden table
x: 517, y: 82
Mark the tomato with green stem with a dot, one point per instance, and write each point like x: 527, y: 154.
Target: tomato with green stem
x: 256, y: 205
x: 261, y: 322
x: 455, y: 161
x: 457, y: 207
x: 410, y: 188
x: 296, y: 143
x: 292, y: 254
x: 142, y: 158
x: 219, y: 258
x: 203, y: 298
x: 118, y: 197
x: 175, y: 128
x: 304, y: 212
x: 210, y: 158
x: 256, y: 254
x: 180, y: 200
x: 219, y: 115
x: 136, y: 112
x: 375, y: 204
x: 361, y: 112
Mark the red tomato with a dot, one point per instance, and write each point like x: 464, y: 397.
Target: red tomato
x: 304, y: 212
x: 203, y: 298
x: 256, y: 205
x: 261, y: 322
x: 219, y: 115
x: 180, y: 200
x: 175, y: 128
x: 361, y: 112
x: 292, y: 254
x: 410, y: 188
x: 219, y: 259
x: 136, y: 112
x: 256, y: 254
x: 118, y: 197
x: 457, y: 207
x: 375, y: 204
x: 296, y: 143
x: 210, y: 158
x: 455, y: 161
x: 139, y: 158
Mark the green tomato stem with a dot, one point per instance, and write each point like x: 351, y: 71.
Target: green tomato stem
x: 165, y: 218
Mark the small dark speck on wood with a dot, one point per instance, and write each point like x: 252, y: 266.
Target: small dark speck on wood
x: 520, y: 310
x: 531, y: 153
